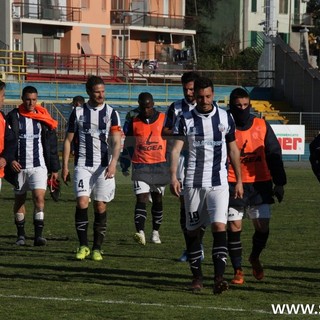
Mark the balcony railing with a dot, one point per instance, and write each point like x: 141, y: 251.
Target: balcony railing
x: 146, y: 19
x: 27, y: 10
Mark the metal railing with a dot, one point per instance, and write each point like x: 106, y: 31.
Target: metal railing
x: 149, y: 19
x: 27, y: 10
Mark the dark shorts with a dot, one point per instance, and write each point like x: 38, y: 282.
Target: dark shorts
x: 254, y: 194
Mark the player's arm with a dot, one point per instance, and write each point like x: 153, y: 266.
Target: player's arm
x: 65, y: 156
x: 115, y: 135
x: 128, y: 149
x: 274, y: 157
x: 175, y: 186
x: 167, y: 129
x: 275, y: 163
x: 234, y: 155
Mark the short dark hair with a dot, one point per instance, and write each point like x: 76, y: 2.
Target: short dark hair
x: 93, y: 81
x: 2, y: 85
x: 189, y: 76
x: 29, y: 89
x: 238, y: 93
x: 202, y: 83
x: 77, y: 99
x: 144, y: 98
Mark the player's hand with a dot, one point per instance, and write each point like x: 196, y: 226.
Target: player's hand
x: 175, y: 187
x: 238, y: 192
x: 65, y: 175
x: 110, y: 171
x: 15, y: 166
x: 278, y: 192
x: 3, y: 162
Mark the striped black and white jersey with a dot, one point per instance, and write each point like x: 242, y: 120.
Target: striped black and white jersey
x: 91, y: 127
x: 206, y: 136
x: 30, y: 151
x: 175, y: 109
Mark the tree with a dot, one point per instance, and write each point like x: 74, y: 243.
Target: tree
x: 213, y: 56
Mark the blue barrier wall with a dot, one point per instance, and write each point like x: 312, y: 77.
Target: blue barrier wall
x: 118, y: 92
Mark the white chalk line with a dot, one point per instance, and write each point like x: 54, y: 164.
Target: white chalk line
x: 133, y: 303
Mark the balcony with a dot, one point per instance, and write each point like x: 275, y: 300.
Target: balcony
x: 146, y: 19
x: 25, y: 10
x: 304, y: 20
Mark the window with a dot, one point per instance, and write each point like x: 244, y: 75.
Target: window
x: 118, y: 5
x: 103, y: 45
x: 283, y: 6
x: 253, y: 5
x: 85, y: 4
x: 17, y: 44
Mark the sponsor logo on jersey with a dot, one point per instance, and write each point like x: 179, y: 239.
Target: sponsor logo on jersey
x: 148, y: 142
x: 202, y: 143
x: 29, y: 136
x: 247, y: 157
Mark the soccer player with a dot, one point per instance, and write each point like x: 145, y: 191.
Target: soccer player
x: 36, y: 155
x: 77, y: 101
x: 175, y: 109
x: 93, y: 125
x: 146, y: 149
x: 7, y: 139
x: 209, y: 133
x: 130, y: 114
x: 263, y: 177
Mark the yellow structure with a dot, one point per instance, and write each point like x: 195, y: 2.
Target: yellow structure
x: 268, y: 112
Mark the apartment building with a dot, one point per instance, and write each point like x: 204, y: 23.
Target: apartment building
x: 241, y: 21
x: 133, y: 30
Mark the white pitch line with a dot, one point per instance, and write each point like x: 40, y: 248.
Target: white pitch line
x: 132, y: 303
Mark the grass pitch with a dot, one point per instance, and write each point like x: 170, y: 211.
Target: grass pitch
x: 134, y: 282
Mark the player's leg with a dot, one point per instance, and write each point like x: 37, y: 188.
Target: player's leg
x: 37, y: 183
x: 38, y: 216
x: 19, y: 211
x: 157, y: 212
x: 141, y: 190
x: 82, y: 190
x: 103, y: 191
x: 260, y: 216
x: 235, y: 215
x: 217, y: 203
x: 196, y: 216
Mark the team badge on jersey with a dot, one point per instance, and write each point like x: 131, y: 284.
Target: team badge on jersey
x: 221, y: 127
x: 106, y: 119
x: 82, y: 118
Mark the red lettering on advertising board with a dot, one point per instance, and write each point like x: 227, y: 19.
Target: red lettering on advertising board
x: 289, y: 143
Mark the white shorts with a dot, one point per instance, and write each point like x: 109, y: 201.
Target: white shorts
x: 261, y: 211
x: 205, y: 206
x: 89, y: 180
x: 0, y: 183
x: 142, y: 187
x: 31, y: 179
